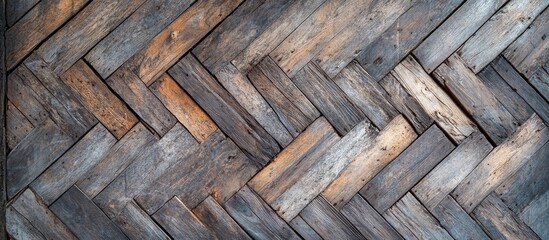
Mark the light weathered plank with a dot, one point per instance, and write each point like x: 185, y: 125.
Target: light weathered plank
x: 303, y: 229
x: 18, y: 227
x: 180, y: 222
x: 15, y: 9
x: 499, y: 32
x: 413, y: 221
x: 367, y: 220
x: 137, y: 224
x: 535, y: 215
x: 43, y: 19
x: 133, y: 145
x: 440, y: 181
x: 501, y: 163
x: 91, y: 222
x: 76, y: 162
x: 175, y: 146
x: 218, y: 220
x: 97, y: 98
x: 328, y: 222
x: 224, y: 110
x: 41, y: 147
x: 436, y: 103
x: 456, y: 221
x: 17, y: 125
x: 401, y: 174
x: 182, y: 106
x: 540, y: 81
x: 240, y: 87
x: 476, y: 98
x: 449, y: 36
x: 38, y: 214
x: 256, y: 217
x: 499, y: 221
x: 133, y: 34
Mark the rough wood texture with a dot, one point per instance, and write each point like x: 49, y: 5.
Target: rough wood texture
x: 218, y: 220
x: 367, y: 220
x: 180, y: 222
x: 137, y: 224
x: 456, y: 221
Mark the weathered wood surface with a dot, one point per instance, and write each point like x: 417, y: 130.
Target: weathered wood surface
x: 540, y: 81
x: 17, y: 125
x: 304, y: 230
x: 137, y: 224
x: 15, y: 9
x: 456, y: 221
x: 218, y: 220
x: 180, y: 222
x: 18, y: 227
x: 535, y: 215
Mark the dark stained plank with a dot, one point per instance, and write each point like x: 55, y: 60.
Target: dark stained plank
x: 501, y: 163
x: 367, y: 220
x: 132, y: 146
x: 366, y: 93
x: 476, y: 98
x: 499, y: 221
x: 328, y: 222
x: 33, y: 209
x: 24, y: 98
x: 499, y: 32
x: 256, y: 217
x: 76, y: 162
x: 303, y: 229
x: 175, y: 146
x: 18, y: 227
x: 413, y: 221
x: 136, y: 94
x: 216, y: 167
x: 183, y: 107
x: 405, y: 104
x: 456, y: 221
x: 137, y: 224
x: 133, y: 34
x: 535, y: 215
x: 83, y: 217
x: 218, y: 220
x: 224, y: 110
x: 540, y: 81
x: 384, y: 52
x: 15, y: 9
x: 180, y: 222
x: 449, y: 36
x: 17, y: 125
x: 440, y: 181
x: 330, y: 100
x: 41, y: 147
x: 42, y: 20
x: 82, y: 32
x: 97, y: 98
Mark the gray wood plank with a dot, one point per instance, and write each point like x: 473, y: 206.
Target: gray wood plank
x: 15, y: 9
x: 303, y: 229
x: 17, y: 125
x: 540, y: 81
x: 535, y: 215
x: 180, y: 222
x: 24, y: 98
x: 83, y: 217
x: 218, y: 220
x: 18, y: 227
x: 137, y: 224
x: 456, y: 221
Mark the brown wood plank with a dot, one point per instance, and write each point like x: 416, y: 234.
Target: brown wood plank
x: 224, y: 110
x: 91, y: 222
x: 456, y: 221
x: 535, y: 215
x: 180, y: 222
x: 17, y: 125
x: 15, y: 9
x: 540, y: 81
x: 218, y: 220
x: 18, y: 227
x: 303, y: 229
x: 137, y: 224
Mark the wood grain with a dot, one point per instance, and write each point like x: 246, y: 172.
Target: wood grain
x: 540, y: 81
x: 18, y: 227
x: 15, y: 9
x: 137, y: 224
x: 24, y: 98
x: 17, y: 125
x: 303, y: 229
x: 180, y: 222
x: 456, y: 221
x: 218, y: 220
x: 367, y: 220
x: 534, y: 215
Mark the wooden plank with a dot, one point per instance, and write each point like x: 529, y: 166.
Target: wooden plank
x: 42, y: 20
x: 183, y: 107
x: 133, y: 34
x: 325, y: 170
x: 328, y: 222
x: 540, y: 81
x: 535, y: 215
x: 24, y: 98
x: 18, y: 227
x: 501, y: 163
x: 274, y: 34
x: 137, y: 224
x: 180, y: 222
x: 330, y: 100
x: 70, y: 167
x: 456, y: 221
x: 405, y: 104
x: 440, y: 181
x: 367, y: 220
x: 17, y: 125
x: 175, y: 146
x: 256, y: 217
x: 449, y: 36
x: 96, y: 97
x: 240, y: 87
x: 476, y: 98
x: 413, y: 221
x: 216, y: 167
x: 530, y: 51
x: 41, y: 147
x: 224, y: 110
x: 33, y: 209
x: 401, y: 174
x: 294, y: 161
x: 366, y: 93
x: 136, y: 94
x: 133, y: 145
x: 436, y: 103
x: 303, y: 229
x: 499, y: 221
x: 15, y: 9
x: 218, y: 220
x: 85, y: 30
x: 91, y: 222
x: 499, y: 32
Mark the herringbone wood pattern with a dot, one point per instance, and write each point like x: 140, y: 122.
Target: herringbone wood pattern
x: 267, y: 119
